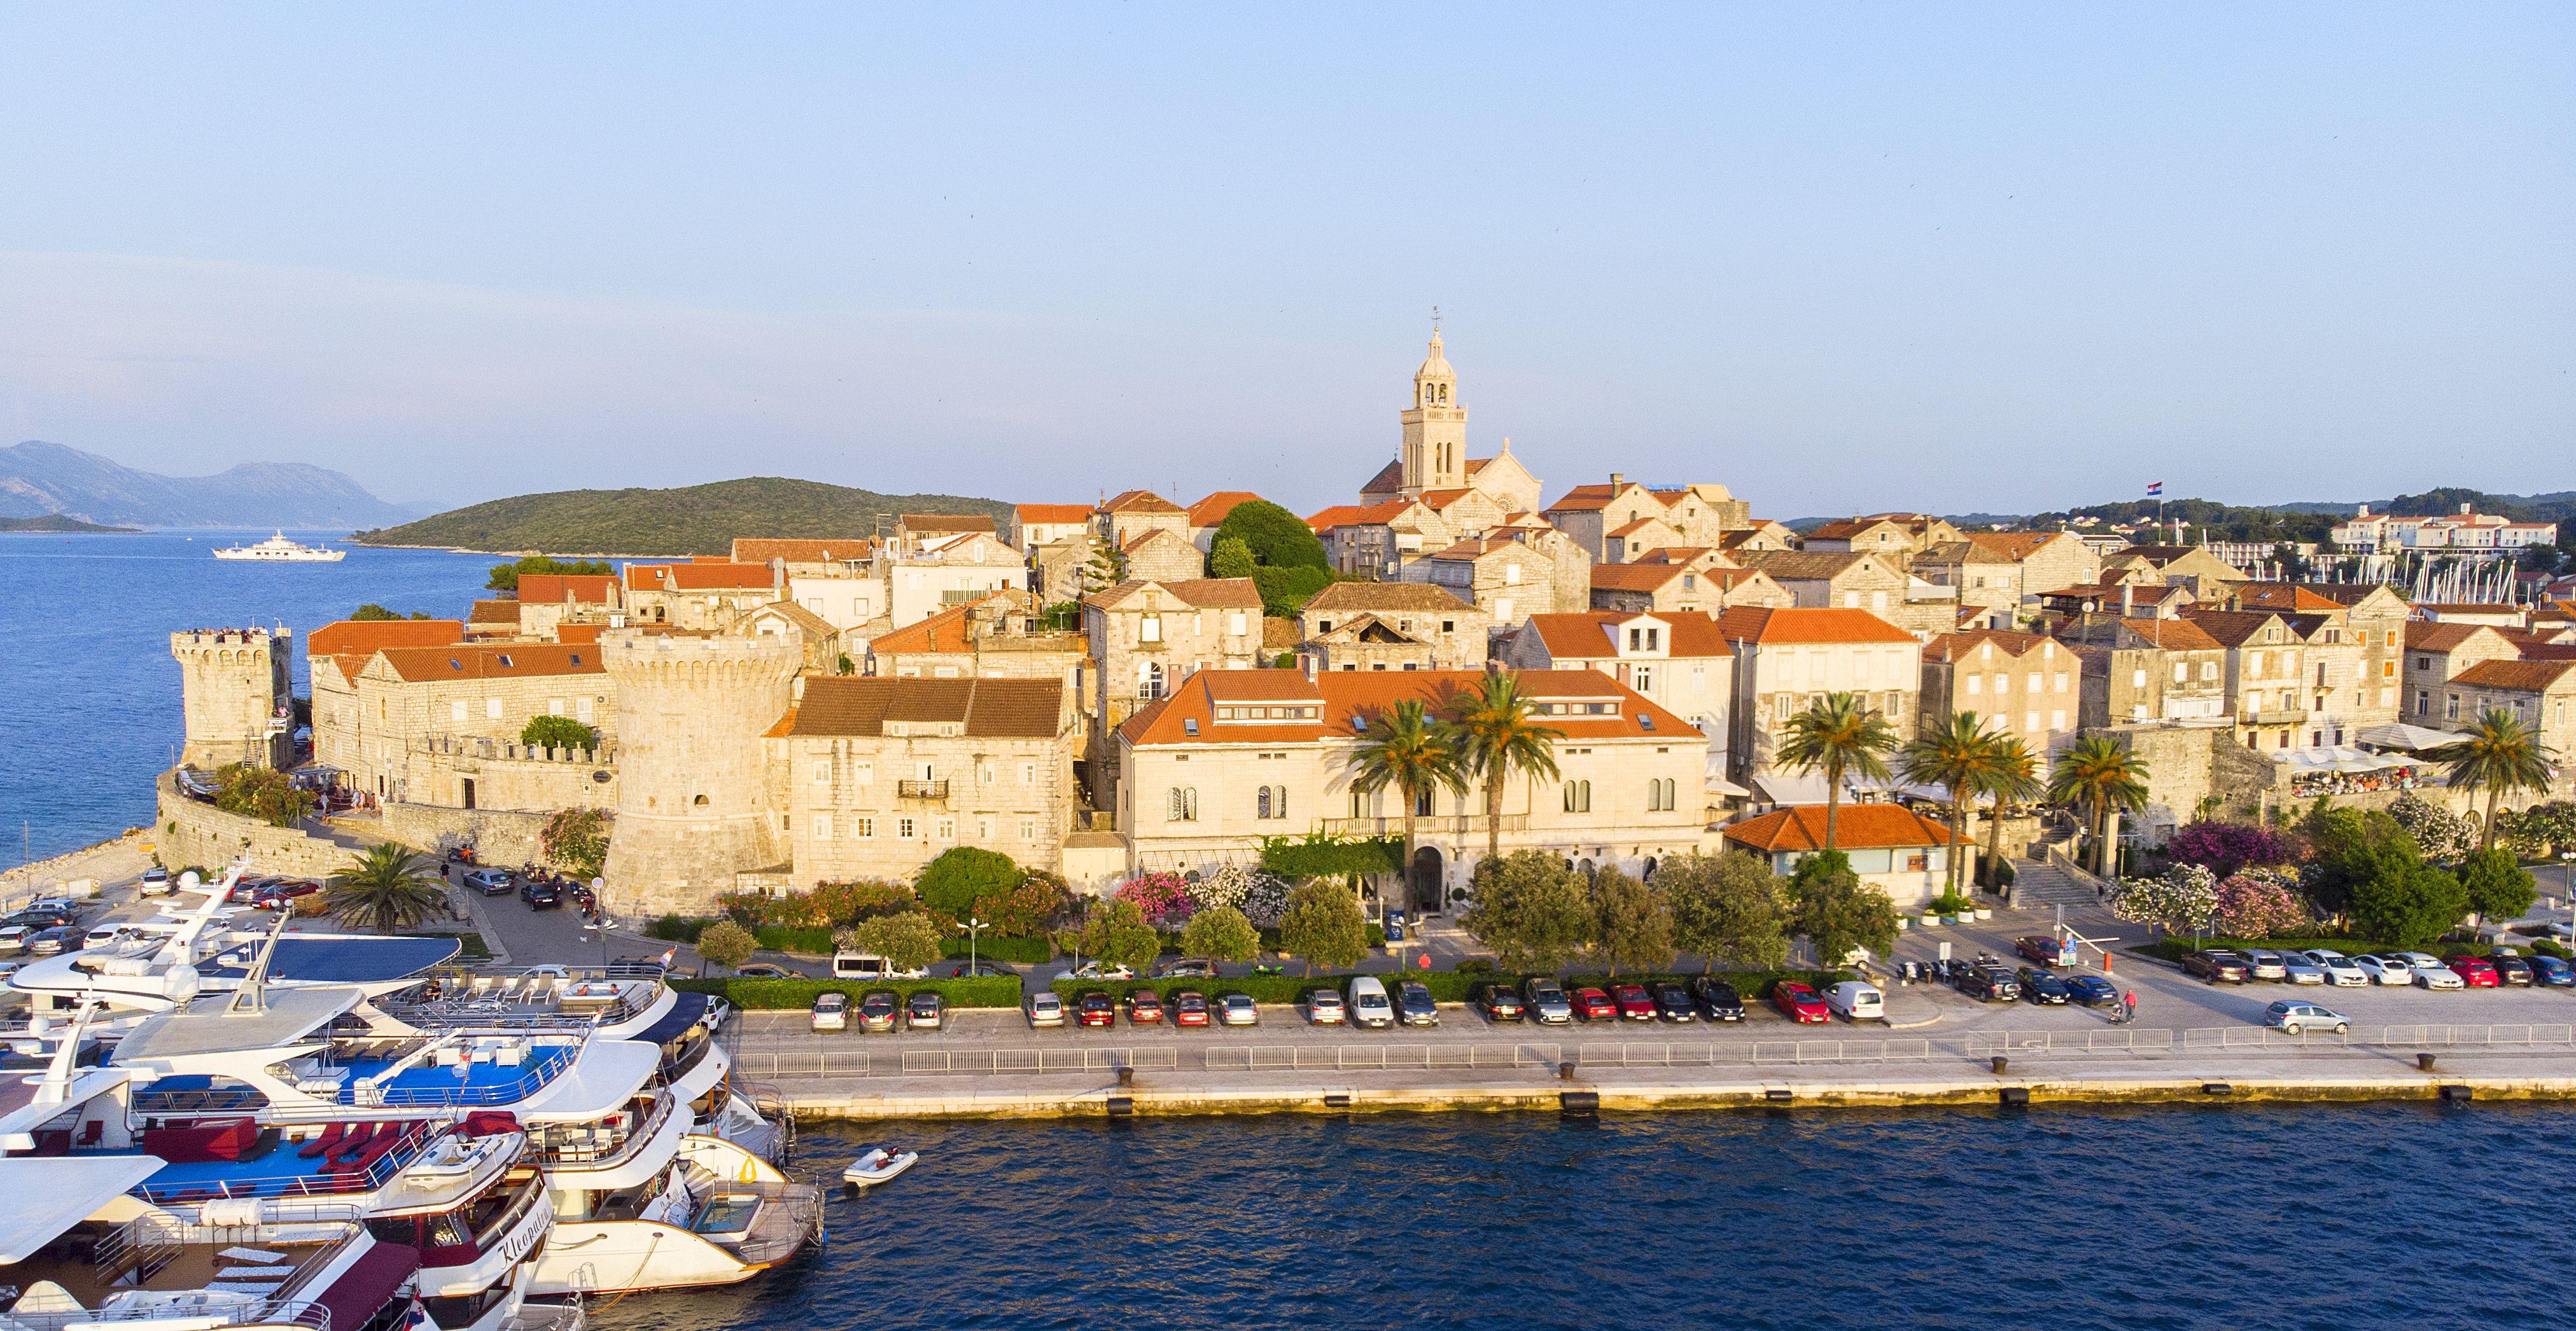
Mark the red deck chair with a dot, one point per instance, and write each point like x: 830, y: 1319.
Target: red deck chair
x: 322, y: 1145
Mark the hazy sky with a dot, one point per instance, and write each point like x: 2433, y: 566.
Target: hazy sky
x: 1839, y: 258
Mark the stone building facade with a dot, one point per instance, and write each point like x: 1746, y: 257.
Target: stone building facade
x: 236, y: 696
x: 1786, y: 659
x: 1453, y: 629
x: 1146, y: 637
x: 695, y: 803
x: 2024, y: 684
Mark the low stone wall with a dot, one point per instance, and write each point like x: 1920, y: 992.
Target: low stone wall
x: 498, y: 836
x: 193, y: 833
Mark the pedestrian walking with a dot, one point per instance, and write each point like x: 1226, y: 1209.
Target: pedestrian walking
x: 2129, y: 1006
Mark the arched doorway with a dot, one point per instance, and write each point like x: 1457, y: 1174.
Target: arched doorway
x: 1426, y: 876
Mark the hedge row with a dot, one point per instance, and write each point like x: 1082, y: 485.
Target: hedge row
x: 992, y: 992
x: 1445, y: 986
x: 817, y: 942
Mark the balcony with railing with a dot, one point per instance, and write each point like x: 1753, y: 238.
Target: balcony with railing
x: 921, y: 790
x: 1453, y: 824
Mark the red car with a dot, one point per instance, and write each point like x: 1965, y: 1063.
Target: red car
x: 1095, y: 1009
x: 1592, y: 1005
x: 1189, y: 1008
x: 279, y: 895
x: 1634, y: 1002
x: 1144, y: 1008
x: 1800, y: 1003
x: 2475, y: 972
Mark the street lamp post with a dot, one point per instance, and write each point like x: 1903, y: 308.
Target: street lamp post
x: 2567, y: 884
x: 972, y: 925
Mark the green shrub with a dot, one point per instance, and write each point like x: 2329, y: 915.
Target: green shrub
x: 1017, y: 951
x: 952, y: 883
x: 557, y: 732
x: 676, y: 929
x: 2549, y: 948
x: 795, y: 995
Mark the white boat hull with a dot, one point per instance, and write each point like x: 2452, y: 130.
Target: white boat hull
x: 877, y: 1167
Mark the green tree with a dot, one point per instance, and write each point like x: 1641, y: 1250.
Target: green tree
x: 387, y: 888
x: 2102, y: 775
x: 1841, y: 736
x: 1837, y: 912
x: 2013, y: 779
x: 2499, y: 755
x: 264, y: 793
x: 2353, y: 847
x: 557, y: 732
x: 1275, y: 537
x: 1231, y: 558
x: 2408, y: 905
x: 1727, y: 906
x: 1221, y: 932
x: 1324, y: 924
x: 727, y: 944
x: 505, y: 577
x: 1532, y: 910
x: 576, y: 840
x: 1025, y: 910
x: 1636, y: 922
x: 2497, y: 888
x: 1106, y: 568
x: 1285, y: 591
x: 1405, y: 751
x: 908, y: 941
x: 372, y: 611
x: 1114, y: 932
x: 952, y: 883
x: 1494, y: 731
x: 1956, y: 755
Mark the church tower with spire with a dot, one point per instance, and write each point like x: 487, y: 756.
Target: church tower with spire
x: 1435, y: 428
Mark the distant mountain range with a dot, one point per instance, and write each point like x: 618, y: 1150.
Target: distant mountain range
x: 689, y: 520
x: 38, y: 479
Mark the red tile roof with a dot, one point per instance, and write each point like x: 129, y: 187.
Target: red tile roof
x: 698, y: 577
x: 1647, y: 577
x: 2429, y: 637
x: 1210, y: 511
x: 2524, y: 676
x: 417, y: 665
x: 366, y: 637
x: 1952, y: 646
x: 860, y: 705
x: 1755, y: 624
x: 1856, y: 827
x: 1593, y: 635
x: 1060, y: 514
x: 762, y: 549
x: 1140, y: 501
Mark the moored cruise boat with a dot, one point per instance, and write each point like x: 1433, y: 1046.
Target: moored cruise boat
x: 279, y: 550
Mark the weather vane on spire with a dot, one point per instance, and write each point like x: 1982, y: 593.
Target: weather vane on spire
x: 1435, y: 318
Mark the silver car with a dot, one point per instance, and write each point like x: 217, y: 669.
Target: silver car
x: 1045, y: 1009
x: 2432, y: 972
x: 2341, y: 971
x: 2385, y: 970
x: 2262, y: 963
x: 2298, y: 969
x: 2297, y: 1018
x: 1546, y: 1003
x: 1237, y: 1010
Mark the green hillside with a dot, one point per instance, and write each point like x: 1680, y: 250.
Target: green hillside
x: 56, y: 522
x: 691, y: 520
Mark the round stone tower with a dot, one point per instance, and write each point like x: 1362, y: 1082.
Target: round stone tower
x: 237, y: 696
x: 693, y: 803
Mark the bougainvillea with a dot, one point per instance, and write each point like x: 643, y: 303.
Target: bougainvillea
x: 2226, y: 848
x: 2260, y: 903
x: 1164, y: 897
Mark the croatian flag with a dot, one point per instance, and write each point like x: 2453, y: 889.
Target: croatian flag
x: 2155, y: 489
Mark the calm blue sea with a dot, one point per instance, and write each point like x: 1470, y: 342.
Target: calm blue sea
x: 2281, y: 1217
x: 89, y: 696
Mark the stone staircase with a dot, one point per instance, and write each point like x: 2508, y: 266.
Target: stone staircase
x: 2039, y: 885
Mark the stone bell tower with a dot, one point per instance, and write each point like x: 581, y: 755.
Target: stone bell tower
x: 238, y: 695
x: 1435, y: 428
x: 693, y: 802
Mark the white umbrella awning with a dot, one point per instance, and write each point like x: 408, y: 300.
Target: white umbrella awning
x: 2412, y: 739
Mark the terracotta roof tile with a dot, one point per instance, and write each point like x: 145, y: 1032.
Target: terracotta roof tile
x: 1856, y: 827
x: 1803, y: 565
x: 493, y: 612
x: 1755, y: 624
x: 365, y: 637
x: 1592, y: 635
x: 1951, y: 646
x: 2175, y: 635
x: 856, y: 705
x: 1053, y: 513
x: 1646, y: 577
x: 1198, y: 593
x: 1389, y: 478
x: 2528, y: 676
x: 1140, y: 501
x: 696, y: 577
x: 1210, y: 511
x: 762, y: 549
x: 1382, y: 596
x: 417, y: 665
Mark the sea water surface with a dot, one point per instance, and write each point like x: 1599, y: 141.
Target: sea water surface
x: 89, y: 694
x: 2151, y: 1217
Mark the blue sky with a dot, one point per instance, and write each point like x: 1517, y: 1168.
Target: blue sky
x: 1837, y: 257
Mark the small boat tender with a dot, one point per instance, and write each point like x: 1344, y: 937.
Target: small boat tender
x: 877, y: 1165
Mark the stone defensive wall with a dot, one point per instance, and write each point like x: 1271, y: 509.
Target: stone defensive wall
x: 191, y: 832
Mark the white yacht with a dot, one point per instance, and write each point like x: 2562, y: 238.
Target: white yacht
x: 279, y: 550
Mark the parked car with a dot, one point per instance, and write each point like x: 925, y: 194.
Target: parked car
x: 2218, y: 966
x: 44, y: 917
x: 1094, y: 970
x: 2552, y: 972
x: 831, y: 1012
x: 1369, y: 1005
x: 1324, y: 1008
x: 50, y: 942
x: 1988, y: 984
x: 1498, y: 1002
x: 540, y: 894
x: 2511, y: 967
x: 13, y: 938
x: 2297, y: 969
x: 1717, y: 999
x: 2431, y: 972
x: 1044, y: 1009
x: 284, y: 892
x: 1635, y: 1003
x: 1189, y: 1008
x: 1238, y: 1010
x: 878, y: 1009
x: 2341, y: 971
x: 1546, y: 1002
x: 1800, y: 1003
x: 156, y: 882
x: 1185, y: 968
x: 1673, y: 1002
x: 1591, y: 1004
x: 870, y: 966
x: 2092, y: 990
x: 2475, y: 972
x: 1414, y: 1005
x: 762, y: 970
x: 1095, y: 1008
x: 926, y: 1011
x: 1856, y: 1002
x: 970, y: 970
x: 1144, y: 1008
x: 99, y: 935
x: 489, y: 882
x: 2046, y: 949
x: 2265, y: 964
x: 2385, y: 970
x: 2296, y: 1018
x: 2041, y: 987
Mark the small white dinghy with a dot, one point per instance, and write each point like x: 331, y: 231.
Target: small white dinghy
x: 877, y: 1165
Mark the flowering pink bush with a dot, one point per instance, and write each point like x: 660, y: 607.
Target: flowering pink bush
x: 1164, y: 897
x: 2260, y: 903
x: 2225, y: 848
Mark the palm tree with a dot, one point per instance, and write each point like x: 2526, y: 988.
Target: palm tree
x: 2498, y: 755
x: 2105, y: 778
x: 1955, y: 755
x: 1404, y: 750
x: 1493, y: 735
x: 1842, y: 735
x: 388, y: 888
x: 2013, y: 779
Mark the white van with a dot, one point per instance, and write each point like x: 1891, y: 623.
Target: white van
x: 1369, y: 1005
x: 868, y: 966
x: 1854, y: 1001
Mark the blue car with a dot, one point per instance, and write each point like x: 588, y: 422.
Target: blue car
x: 2092, y: 990
x: 2551, y: 971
